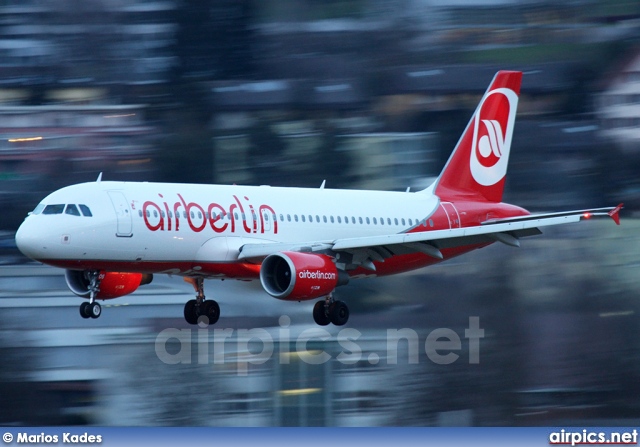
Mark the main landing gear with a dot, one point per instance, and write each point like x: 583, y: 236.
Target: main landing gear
x: 91, y: 309
x: 194, y: 309
x: 330, y: 311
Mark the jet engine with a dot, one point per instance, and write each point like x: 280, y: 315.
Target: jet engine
x: 300, y: 276
x: 112, y: 284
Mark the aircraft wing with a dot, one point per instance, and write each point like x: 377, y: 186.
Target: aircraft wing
x: 378, y: 248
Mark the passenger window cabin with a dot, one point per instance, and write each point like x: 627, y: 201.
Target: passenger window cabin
x: 83, y: 210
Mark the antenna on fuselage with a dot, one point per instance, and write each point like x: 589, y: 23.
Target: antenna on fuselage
x: 323, y: 183
x: 408, y: 189
x: 99, y: 179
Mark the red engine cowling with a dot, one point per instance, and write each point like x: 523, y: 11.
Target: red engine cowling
x: 300, y: 276
x: 112, y: 284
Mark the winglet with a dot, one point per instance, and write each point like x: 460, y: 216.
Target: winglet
x: 615, y: 213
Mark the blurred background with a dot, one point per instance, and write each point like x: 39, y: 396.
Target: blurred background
x: 365, y: 94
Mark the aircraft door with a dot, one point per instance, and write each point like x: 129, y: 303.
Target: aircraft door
x: 452, y: 214
x: 123, y: 214
x: 266, y: 221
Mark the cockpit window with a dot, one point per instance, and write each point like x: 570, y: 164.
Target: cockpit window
x: 53, y: 209
x: 85, y: 211
x: 38, y: 209
x: 72, y: 210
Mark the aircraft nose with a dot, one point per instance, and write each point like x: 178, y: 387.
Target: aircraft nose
x: 29, y: 241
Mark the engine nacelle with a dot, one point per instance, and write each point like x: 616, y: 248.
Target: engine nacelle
x: 300, y: 276
x: 112, y: 284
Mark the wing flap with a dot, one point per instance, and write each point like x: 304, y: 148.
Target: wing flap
x: 507, y: 231
x: 518, y: 228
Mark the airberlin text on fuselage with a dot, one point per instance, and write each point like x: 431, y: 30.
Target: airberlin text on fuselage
x: 164, y: 216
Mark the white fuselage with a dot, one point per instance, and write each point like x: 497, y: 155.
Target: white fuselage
x: 171, y: 228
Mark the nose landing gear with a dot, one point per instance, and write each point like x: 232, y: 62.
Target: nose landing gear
x: 92, y: 309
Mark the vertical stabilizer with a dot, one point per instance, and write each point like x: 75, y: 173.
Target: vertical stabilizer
x: 477, y: 167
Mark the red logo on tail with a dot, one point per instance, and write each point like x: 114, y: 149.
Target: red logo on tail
x: 492, y: 132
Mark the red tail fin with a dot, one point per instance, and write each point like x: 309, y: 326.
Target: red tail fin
x: 477, y: 167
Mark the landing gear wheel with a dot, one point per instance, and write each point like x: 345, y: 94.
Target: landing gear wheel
x: 211, y: 310
x: 320, y: 315
x: 338, y: 313
x: 91, y: 309
x: 94, y: 309
x: 190, y: 314
x: 84, y: 311
x: 194, y: 309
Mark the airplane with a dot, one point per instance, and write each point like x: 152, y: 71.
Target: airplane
x: 301, y: 243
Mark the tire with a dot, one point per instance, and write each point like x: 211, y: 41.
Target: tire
x: 95, y: 310
x: 190, y: 312
x: 319, y: 315
x: 84, y: 311
x: 339, y: 313
x: 211, y: 310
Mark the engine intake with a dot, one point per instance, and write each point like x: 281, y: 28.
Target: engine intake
x: 300, y: 276
x: 112, y: 284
